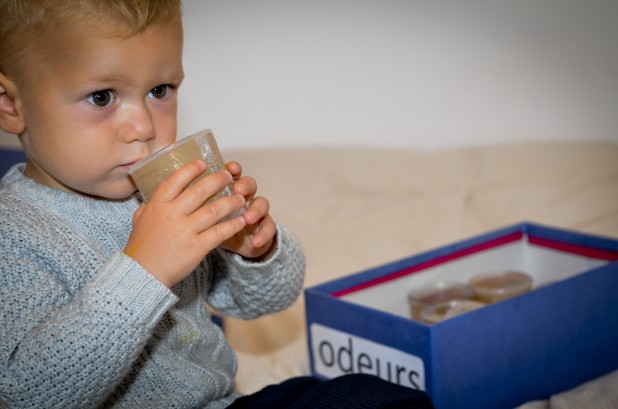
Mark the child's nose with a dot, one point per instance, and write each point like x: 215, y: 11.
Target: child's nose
x: 138, y: 124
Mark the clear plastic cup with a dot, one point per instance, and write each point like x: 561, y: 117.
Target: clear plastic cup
x: 151, y: 171
x: 497, y: 286
x: 437, y: 293
x: 448, y: 309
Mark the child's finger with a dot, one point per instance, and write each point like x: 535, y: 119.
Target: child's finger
x: 264, y: 233
x: 211, y: 213
x: 259, y: 208
x: 235, y: 169
x: 219, y: 232
x: 197, y: 194
x: 174, y: 185
x: 246, y: 186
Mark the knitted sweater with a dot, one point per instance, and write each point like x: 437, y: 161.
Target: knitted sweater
x: 82, y: 325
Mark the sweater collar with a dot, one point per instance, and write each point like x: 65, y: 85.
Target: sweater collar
x: 64, y: 203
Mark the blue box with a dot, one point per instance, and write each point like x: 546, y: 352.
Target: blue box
x: 561, y: 334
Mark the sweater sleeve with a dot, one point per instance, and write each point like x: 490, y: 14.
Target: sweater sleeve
x: 247, y: 289
x: 63, y: 351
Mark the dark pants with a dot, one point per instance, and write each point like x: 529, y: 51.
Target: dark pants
x: 354, y: 391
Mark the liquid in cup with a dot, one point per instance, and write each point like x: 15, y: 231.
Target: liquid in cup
x: 151, y: 171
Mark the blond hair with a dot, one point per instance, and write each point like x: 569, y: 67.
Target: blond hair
x: 23, y: 22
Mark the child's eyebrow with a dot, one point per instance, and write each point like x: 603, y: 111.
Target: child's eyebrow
x: 112, y: 80
x: 101, y: 81
x: 175, y: 74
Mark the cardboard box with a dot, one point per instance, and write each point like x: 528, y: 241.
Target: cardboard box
x: 561, y: 334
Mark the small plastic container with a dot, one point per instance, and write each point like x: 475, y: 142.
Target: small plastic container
x: 437, y: 293
x: 492, y: 287
x: 154, y: 169
x: 151, y: 171
x: 448, y: 309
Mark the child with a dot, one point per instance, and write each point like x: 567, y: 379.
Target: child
x: 103, y: 297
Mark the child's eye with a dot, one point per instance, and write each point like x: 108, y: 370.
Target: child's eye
x: 159, y: 91
x: 101, y: 98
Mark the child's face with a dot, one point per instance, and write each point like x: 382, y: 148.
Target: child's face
x: 95, y: 104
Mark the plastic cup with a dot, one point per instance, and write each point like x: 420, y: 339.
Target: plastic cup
x: 154, y: 169
x: 497, y: 286
x: 437, y: 293
x: 448, y: 309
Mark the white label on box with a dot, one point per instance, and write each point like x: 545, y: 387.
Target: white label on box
x: 337, y: 353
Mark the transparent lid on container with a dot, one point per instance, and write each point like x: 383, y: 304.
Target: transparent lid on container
x: 448, y: 309
x: 495, y: 286
x: 436, y: 293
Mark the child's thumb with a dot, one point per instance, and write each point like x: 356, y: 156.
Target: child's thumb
x: 137, y: 213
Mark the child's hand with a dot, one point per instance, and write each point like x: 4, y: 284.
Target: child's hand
x: 174, y: 231
x: 256, y: 240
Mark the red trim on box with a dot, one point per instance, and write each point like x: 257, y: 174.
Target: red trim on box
x: 431, y: 263
x: 552, y: 244
x: 575, y: 249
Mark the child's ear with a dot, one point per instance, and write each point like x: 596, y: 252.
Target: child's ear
x: 11, y: 119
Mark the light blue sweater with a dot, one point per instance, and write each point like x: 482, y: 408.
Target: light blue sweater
x: 83, y: 325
